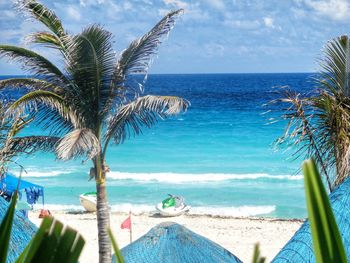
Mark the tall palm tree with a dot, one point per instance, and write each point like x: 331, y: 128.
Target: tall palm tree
x: 95, y: 98
x: 319, y: 124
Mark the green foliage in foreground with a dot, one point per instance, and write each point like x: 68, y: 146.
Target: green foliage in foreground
x: 118, y: 255
x: 52, y: 243
x: 257, y: 258
x: 5, y: 229
x: 327, y: 241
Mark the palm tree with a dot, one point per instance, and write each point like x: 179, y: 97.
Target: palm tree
x: 94, y: 99
x: 319, y: 124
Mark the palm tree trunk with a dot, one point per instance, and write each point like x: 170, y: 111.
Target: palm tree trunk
x: 103, y: 220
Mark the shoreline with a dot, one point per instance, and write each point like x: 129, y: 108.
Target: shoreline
x: 236, y: 234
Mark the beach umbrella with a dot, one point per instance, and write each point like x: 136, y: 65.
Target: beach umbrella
x: 22, y: 231
x: 173, y: 243
x: 300, y: 247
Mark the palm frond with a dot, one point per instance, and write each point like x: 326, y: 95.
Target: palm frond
x: 77, y: 143
x: 333, y: 122
x: 56, y: 38
x: 30, y: 144
x: 33, y: 62
x: 30, y: 84
x: 300, y: 131
x: 42, y: 14
x: 33, y: 101
x: 47, y: 39
x: 137, y: 58
x: 144, y: 111
x: 50, y: 120
x: 335, y: 73
x: 91, y: 64
x: 319, y: 125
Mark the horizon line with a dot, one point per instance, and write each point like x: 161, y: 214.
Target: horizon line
x: 198, y: 73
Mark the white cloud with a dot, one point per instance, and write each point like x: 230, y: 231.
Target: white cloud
x: 73, y: 13
x: 196, y: 12
x: 148, y: 2
x: 268, y: 21
x: 334, y: 9
x: 176, y: 3
x: 242, y: 24
x: 85, y: 3
x: 217, y: 4
x: 214, y: 50
x: 127, y: 6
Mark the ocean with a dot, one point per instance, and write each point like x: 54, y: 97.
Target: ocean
x: 219, y: 155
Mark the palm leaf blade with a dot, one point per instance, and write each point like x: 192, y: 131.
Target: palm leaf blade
x: 6, y: 227
x: 144, y: 111
x: 33, y: 62
x: 42, y: 14
x: 137, y: 58
x: 326, y: 238
x: 77, y: 143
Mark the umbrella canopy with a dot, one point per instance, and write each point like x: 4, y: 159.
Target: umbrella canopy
x: 22, y: 232
x: 300, y: 247
x: 172, y: 243
x: 9, y: 184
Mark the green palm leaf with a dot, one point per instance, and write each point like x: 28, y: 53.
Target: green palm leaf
x: 91, y: 64
x: 117, y: 252
x: 46, y: 38
x: 137, y: 57
x: 6, y: 227
x: 144, y: 111
x: 327, y: 241
x: 30, y: 84
x: 32, y: 100
x: 31, y: 144
x: 53, y: 243
x: 257, y: 258
x: 42, y: 14
x: 335, y: 74
x: 33, y: 62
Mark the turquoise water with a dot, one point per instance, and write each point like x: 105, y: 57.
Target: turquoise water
x: 219, y: 155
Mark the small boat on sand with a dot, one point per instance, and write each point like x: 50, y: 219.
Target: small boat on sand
x: 88, y: 201
x: 172, y: 206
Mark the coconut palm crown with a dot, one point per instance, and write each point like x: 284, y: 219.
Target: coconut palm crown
x: 94, y: 99
x: 319, y: 123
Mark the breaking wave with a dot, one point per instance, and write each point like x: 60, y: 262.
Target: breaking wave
x: 195, y: 178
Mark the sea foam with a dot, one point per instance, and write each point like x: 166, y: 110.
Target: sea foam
x: 35, y: 173
x: 168, y: 177
x: 195, y: 178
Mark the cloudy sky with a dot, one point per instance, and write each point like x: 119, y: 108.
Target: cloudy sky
x: 213, y: 36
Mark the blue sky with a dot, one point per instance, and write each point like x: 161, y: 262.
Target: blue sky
x: 213, y: 36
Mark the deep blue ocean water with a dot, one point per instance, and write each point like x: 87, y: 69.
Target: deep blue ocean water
x: 219, y: 155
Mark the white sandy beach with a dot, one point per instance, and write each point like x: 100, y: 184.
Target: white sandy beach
x: 238, y: 235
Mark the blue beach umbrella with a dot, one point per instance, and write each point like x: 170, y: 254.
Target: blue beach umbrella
x: 173, y: 243
x: 300, y: 248
x: 22, y: 232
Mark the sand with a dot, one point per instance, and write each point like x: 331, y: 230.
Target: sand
x: 238, y: 235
